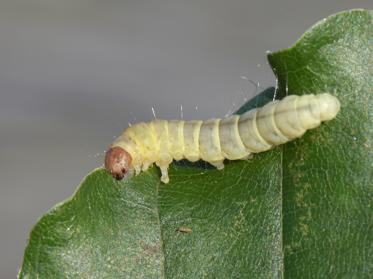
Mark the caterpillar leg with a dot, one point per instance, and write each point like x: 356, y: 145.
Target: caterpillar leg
x: 164, y: 170
x: 218, y: 164
x: 145, y: 166
x: 137, y: 170
x: 248, y: 157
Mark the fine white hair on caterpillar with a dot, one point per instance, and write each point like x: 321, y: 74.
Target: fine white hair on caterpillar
x: 233, y: 138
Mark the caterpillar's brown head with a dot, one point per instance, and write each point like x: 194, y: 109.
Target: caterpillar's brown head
x: 117, y: 162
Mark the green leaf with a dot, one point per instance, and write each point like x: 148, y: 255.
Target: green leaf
x: 131, y: 228
x: 328, y: 174
x: 300, y: 210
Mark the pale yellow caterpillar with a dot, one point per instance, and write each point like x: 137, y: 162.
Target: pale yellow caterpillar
x: 233, y: 138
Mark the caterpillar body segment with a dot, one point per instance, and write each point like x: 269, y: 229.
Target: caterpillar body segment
x: 232, y: 146
x: 191, y: 140
x: 234, y: 138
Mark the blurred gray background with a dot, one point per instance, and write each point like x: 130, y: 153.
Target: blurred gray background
x: 74, y: 73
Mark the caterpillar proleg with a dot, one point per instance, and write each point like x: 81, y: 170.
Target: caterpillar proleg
x: 233, y: 138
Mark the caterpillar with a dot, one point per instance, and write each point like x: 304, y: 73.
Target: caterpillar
x: 233, y: 138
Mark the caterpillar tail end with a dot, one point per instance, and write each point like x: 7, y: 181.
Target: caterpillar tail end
x: 118, y: 162
x: 329, y: 106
